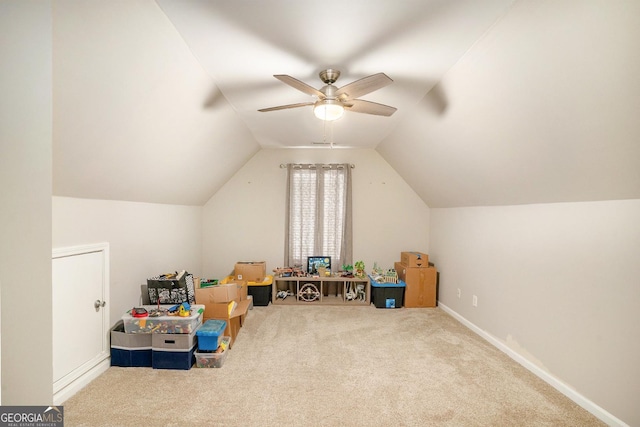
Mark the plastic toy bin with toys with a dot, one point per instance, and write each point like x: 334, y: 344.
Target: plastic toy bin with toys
x: 213, y: 359
x: 163, y: 319
x: 259, y: 291
x: 210, y: 334
x: 387, y: 294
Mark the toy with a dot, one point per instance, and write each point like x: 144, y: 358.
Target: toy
x: 157, y: 312
x: 283, y: 271
x: 295, y: 271
x: 355, y: 291
x: 139, y: 312
x: 309, y: 292
x: 376, y: 271
x: 323, y: 272
x: 347, y: 270
x: 185, y: 310
x: 283, y: 294
x: 359, y: 266
x: 390, y: 276
x: 182, y: 310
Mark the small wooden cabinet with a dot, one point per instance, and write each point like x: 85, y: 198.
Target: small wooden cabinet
x: 332, y: 290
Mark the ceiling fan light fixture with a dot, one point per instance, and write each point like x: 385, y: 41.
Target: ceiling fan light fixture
x: 328, y: 109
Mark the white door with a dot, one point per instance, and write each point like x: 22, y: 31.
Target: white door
x: 80, y: 315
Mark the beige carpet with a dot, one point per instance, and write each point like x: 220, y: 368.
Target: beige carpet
x: 335, y: 366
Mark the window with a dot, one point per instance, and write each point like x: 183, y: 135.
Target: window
x: 318, y: 213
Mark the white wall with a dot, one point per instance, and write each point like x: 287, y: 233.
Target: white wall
x: 244, y: 221
x: 25, y: 191
x: 558, y: 284
x: 145, y: 240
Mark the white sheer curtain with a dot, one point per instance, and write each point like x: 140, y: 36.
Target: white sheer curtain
x: 318, y: 219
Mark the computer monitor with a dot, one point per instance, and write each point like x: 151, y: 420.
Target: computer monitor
x: 313, y: 262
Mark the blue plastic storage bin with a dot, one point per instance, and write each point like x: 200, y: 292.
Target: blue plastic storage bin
x: 210, y: 334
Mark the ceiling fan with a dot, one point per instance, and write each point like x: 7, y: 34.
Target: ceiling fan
x: 332, y: 101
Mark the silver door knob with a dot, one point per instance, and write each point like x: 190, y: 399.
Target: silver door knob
x: 99, y: 304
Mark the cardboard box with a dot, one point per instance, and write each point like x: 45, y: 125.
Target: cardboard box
x: 219, y: 301
x: 250, y: 271
x: 220, y: 293
x: 234, y: 320
x: 421, y: 282
x: 232, y: 311
x: 241, y: 284
x: 414, y: 259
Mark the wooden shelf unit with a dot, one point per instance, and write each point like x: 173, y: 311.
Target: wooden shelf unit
x: 333, y: 290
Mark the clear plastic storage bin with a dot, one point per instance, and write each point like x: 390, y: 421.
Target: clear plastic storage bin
x: 213, y: 360
x: 163, y: 324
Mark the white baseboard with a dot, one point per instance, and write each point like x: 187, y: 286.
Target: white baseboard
x: 563, y: 388
x: 79, y: 383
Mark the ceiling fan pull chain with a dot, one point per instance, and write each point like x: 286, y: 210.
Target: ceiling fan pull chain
x: 331, y: 129
x: 324, y: 131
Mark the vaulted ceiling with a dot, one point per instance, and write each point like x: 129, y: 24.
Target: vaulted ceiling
x: 499, y: 102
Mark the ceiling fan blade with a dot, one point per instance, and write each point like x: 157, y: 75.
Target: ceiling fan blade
x: 368, y: 107
x: 285, y: 107
x: 301, y: 86
x: 363, y: 86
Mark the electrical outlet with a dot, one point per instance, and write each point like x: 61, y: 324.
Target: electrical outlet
x: 475, y: 301
x: 459, y: 293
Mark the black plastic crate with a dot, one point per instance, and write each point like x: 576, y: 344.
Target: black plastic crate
x: 261, y: 294
x: 389, y: 296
